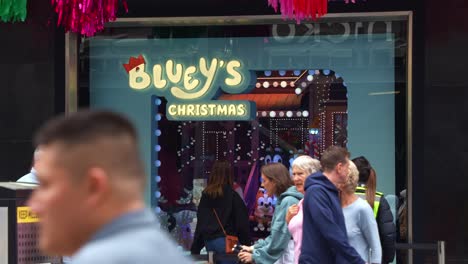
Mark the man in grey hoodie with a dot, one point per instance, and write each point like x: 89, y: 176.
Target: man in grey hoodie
x: 90, y: 194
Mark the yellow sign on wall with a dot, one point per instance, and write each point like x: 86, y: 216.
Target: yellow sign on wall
x: 25, y: 215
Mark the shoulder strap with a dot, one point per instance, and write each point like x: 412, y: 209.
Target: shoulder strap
x: 219, y: 222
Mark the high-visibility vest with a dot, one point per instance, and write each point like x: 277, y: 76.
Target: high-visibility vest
x: 361, y: 192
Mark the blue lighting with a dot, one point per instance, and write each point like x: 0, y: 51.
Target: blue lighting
x: 157, y: 163
x: 157, y: 148
x: 157, y: 132
x: 157, y: 101
x: 297, y: 72
x: 313, y: 131
x: 337, y: 75
x: 157, y: 194
x: 157, y: 210
x: 158, y: 117
x: 311, y: 72
x: 282, y: 73
x: 326, y: 72
x: 345, y: 85
x: 157, y: 178
x: 267, y: 73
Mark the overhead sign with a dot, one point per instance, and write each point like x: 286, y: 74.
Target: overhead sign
x: 191, y: 88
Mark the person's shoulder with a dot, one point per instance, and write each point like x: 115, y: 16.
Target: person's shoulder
x: 365, y: 209
x: 146, y: 245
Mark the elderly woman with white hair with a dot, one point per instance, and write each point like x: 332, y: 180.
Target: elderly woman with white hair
x: 302, y: 167
x: 361, y: 226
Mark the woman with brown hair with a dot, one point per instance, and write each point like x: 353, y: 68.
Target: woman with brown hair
x: 278, y: 247
x: 220, y: 201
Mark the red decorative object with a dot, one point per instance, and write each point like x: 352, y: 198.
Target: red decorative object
x: 300, y: 9
x: 86, y: 16
x: 133, y: 63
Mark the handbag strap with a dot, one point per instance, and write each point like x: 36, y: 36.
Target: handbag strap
x: 221, y: 225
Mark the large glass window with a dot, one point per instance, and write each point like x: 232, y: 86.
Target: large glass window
x: 342, y: 81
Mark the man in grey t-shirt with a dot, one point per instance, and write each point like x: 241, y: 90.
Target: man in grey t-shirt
x: 89, y: 199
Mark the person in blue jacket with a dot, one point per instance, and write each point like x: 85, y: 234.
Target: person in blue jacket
x: 278, y: 247
x: 324, y: 238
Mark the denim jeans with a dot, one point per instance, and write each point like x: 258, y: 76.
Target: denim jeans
x: 218, y: 245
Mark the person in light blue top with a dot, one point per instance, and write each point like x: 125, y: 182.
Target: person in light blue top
x: 90, y: 194
x: 361, y: 227
x: 31, y: 176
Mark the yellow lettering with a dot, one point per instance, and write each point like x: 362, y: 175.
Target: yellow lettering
x: 190, y: 109
x: 208, y: 71
x: 190, y: 84
x: 174, y: 77
x: 158, y: 81
x: 172, y: 110
x: 232, y: 110
x: 138, y: 79
x: 241, y: 109
x: 236, y: 78
x: 180, y: 110
x: 212, y: 108
x: 204, y: 110
x: 222, y: 110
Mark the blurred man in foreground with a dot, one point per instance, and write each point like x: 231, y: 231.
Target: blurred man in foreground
x: 89, y: 199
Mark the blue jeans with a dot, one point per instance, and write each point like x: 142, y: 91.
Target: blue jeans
x: 218, y: 245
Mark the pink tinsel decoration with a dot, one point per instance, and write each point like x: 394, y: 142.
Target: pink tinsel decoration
x: 86, y: 16
x: 300, y: 9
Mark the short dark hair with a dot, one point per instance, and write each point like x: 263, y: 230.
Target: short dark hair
x: 84, y: 126
x: 110, y: 139
x: 279, y: 174
x: 332, y: 156
x: 364, y: 167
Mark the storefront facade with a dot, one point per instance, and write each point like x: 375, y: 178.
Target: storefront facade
x: 252, y: 90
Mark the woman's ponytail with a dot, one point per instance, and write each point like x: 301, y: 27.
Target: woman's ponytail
x: 370, y: 188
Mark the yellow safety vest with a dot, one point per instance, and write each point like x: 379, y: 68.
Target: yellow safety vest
x: 361, y: 192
